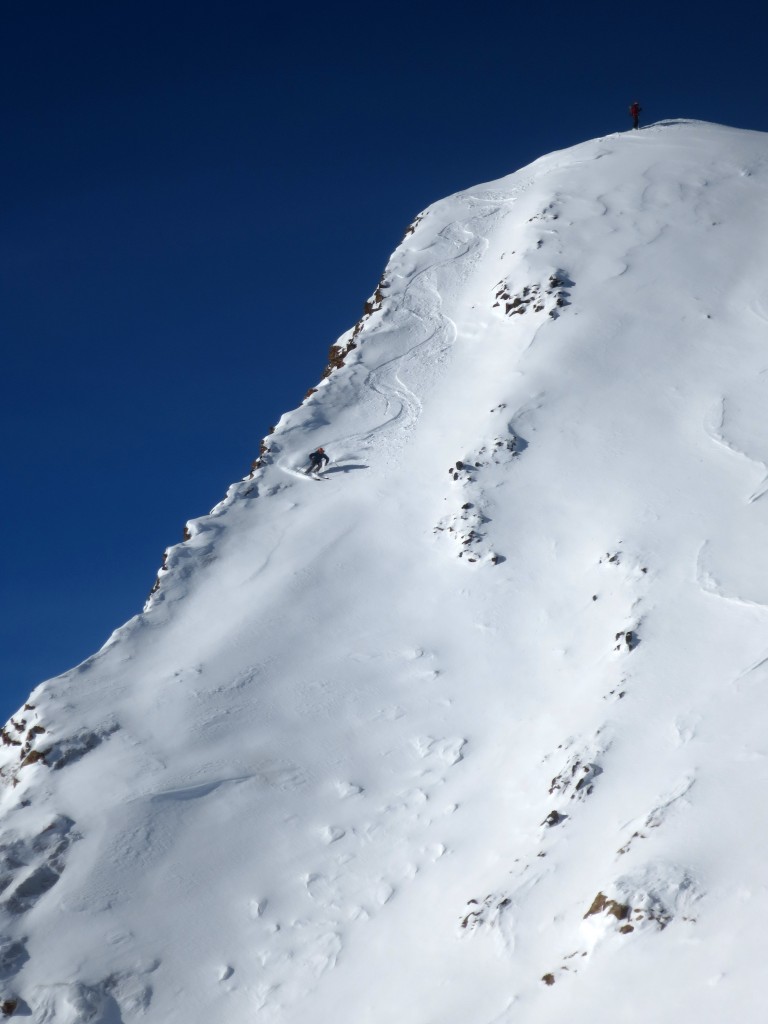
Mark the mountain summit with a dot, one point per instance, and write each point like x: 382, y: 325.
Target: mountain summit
x: 471, y: 729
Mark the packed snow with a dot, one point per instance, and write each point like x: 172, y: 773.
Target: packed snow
x: 471, y: 729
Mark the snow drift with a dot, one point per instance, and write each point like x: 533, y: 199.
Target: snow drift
x: 472, y: 729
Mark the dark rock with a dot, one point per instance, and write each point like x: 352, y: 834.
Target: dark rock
x: 554, y: 818
x: 601, y: 904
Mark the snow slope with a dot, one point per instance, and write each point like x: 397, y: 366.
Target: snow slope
x: 472, y: 730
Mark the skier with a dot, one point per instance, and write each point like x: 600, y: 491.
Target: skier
x: 317, y: 460
x: 635, y: 111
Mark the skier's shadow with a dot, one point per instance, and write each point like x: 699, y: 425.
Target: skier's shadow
x: 343, y: 469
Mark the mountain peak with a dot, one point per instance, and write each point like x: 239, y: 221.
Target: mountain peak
x: 469, y: 726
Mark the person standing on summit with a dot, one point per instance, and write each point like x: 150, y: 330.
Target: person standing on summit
x: 635, y: 111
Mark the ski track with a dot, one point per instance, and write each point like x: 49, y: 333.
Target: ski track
x: 422, y: 300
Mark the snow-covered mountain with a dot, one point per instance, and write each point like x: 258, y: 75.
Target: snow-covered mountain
x: 473, y: 728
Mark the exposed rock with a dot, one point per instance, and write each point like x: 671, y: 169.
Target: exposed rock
x: 628, y: 639
x: 652, y: 898
x: 534, y: 296
x: 601, y: 904
x: 483, y: 912
x: 554, y: 818
x: 577, y: 778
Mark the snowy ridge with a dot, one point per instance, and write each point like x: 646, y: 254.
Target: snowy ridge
x: 473, y: 731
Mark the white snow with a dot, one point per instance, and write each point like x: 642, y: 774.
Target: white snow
x: 474, y: 730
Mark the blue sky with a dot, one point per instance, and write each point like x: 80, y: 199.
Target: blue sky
x: 177, y: 181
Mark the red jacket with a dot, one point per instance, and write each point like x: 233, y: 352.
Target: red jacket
x: 635, y: 109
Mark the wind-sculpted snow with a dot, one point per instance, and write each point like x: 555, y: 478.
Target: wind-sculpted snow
x: 470, y: 728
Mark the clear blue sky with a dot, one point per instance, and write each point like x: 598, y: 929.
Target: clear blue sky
x: 177, y: 179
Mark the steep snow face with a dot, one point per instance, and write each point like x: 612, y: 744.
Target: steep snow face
x: 471, y: 729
